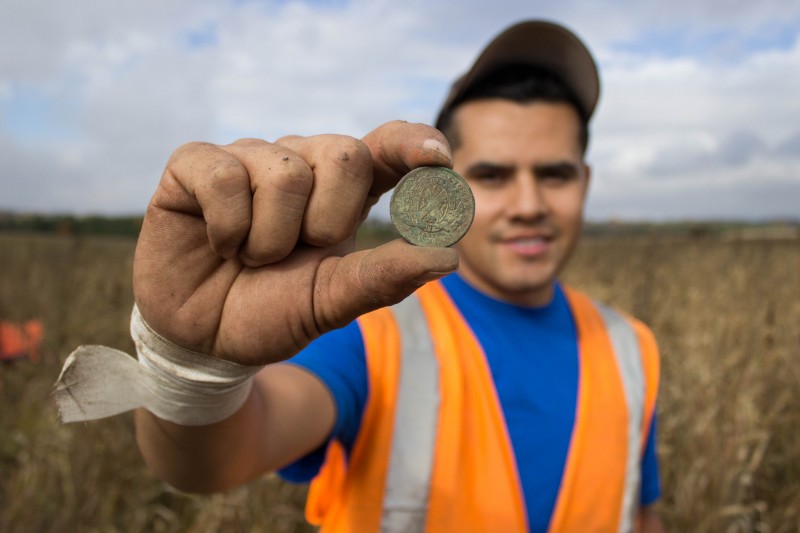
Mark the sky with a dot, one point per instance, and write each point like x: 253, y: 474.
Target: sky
x: 699, y: 116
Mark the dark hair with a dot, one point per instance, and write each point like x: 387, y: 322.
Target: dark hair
x: 519, y: 83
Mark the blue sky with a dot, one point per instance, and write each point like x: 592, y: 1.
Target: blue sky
x: 698, y: 118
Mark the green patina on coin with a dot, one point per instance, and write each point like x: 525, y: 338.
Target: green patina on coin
x: 432, y: 206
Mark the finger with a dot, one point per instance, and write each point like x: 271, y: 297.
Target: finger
x: 281, y: 182
x: 342, y: 168
x: 202, y: 179
x: 364, y: 281
x: 398, y: 147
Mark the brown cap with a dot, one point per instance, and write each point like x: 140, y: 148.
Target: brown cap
x: 542, y: 44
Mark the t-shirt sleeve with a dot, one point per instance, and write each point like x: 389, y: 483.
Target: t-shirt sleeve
x: 338, y: 359
x: 651, y: 480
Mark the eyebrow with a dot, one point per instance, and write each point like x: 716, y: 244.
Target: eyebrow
x: 559, y: 168
x: 483, y: 167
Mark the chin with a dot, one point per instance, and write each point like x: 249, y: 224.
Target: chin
x: 527, y: 289
x: 528, y: 281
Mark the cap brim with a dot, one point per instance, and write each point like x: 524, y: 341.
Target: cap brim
x: 543, y: 44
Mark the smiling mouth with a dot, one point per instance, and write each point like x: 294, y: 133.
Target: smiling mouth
x: 528, y: 246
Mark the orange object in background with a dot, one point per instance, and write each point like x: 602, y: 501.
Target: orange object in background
x: 20, y: 340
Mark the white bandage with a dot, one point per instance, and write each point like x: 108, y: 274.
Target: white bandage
x: 175, y: 384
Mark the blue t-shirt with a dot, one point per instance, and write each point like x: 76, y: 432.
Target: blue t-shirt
x: 533, y: 357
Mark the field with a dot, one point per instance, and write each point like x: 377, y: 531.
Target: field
x: 726, y: 315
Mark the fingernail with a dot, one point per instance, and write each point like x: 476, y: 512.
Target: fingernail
x: 438, y: 146
x: 430, y: 276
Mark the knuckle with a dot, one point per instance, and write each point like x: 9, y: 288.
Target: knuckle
x: 224, y: 179
x: 227, y: 172
x: 289, y: 139
x: 291, y: 174
x: 249, y: 142
x: 349, y: 154
x: 191, y: 149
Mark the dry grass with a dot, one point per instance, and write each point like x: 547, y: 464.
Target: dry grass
x: 727, y: 318
x: 726, y: 315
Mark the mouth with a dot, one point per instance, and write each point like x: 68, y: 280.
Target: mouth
x: 528, y: 246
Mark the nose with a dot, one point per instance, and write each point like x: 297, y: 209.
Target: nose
x: 526, y: 201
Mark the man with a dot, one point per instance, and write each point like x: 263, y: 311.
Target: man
x: 493, y: 400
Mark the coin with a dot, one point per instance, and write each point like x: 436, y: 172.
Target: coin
x: 432, y: 206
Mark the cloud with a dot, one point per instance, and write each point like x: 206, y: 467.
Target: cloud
x: 691, y: 89
x: 790, y: 147
x: 684, y: 157
x: 667, y: 124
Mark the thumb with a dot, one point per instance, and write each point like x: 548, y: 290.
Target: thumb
x: 364, y: 281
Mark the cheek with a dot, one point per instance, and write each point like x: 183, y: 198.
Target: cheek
x: 568, y: 207
x: 477, y: 239
x: 480, y: 231
x: 488, y: 206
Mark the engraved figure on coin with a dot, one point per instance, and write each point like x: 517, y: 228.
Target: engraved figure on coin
x: 432, y: 206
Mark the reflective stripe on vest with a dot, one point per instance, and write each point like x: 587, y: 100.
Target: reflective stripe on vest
x: 629, y: 362
x: 414, y: 440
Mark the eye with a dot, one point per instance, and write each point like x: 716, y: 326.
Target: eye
x: 558, y: 174
x: 488, y: 176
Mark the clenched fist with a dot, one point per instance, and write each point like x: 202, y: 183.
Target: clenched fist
x: 247, y: 250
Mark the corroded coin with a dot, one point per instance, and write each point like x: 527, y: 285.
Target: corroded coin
x: 432, y: 206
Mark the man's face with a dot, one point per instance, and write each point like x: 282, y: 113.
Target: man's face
x: 525, y: 166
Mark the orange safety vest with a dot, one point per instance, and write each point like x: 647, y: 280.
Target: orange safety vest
x: 433, y: 453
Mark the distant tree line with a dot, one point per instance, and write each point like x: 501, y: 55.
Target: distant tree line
x: 71, y: 224
x: 694, y: 229
x: 375, y: 231
x: 130, y: 226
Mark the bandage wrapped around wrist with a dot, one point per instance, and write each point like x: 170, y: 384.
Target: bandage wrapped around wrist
x: 173, y: 383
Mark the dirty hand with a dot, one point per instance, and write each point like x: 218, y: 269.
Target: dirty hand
x: 246, y: 251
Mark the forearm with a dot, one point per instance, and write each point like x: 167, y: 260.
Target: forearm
x: 209, y: 458
x: 288, y: 413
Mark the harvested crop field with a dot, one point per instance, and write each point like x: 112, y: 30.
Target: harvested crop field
x: 726, y: 315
